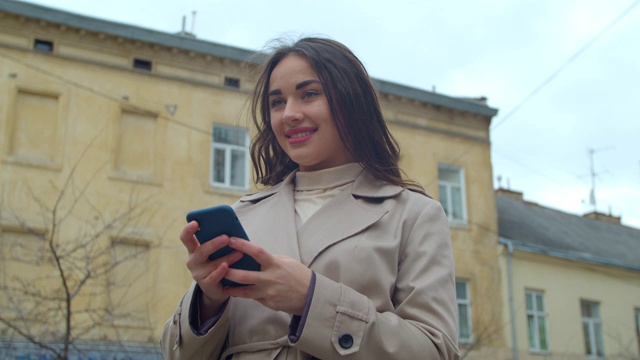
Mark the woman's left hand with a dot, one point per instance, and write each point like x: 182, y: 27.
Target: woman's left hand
x: 281, y: 284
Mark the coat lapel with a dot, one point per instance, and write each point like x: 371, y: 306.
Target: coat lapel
x: 269, y: 219
x: 343, y: 216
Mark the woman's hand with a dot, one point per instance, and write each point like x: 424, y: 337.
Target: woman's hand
x: 281, y: 284
x: 205, y: 272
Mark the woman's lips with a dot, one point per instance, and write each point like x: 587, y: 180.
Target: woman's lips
x: 298, y: 136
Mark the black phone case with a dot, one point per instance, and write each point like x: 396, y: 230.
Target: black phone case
x: 222, y: 220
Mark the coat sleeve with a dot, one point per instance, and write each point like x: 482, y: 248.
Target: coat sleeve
x: 179, y: 341
x: 343, y: 323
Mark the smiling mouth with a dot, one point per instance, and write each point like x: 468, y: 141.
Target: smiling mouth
x: 302, y: 134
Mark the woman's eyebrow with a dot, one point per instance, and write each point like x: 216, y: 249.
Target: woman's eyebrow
x: 306, y: 83
x: 299, y: 86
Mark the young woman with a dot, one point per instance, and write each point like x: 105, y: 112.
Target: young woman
x: 356, y: 262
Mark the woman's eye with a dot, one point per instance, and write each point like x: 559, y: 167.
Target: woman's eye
x: 310, y: 93
x: 276, y: 102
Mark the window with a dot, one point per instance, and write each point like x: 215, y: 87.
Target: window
x: 537, y: 322
x: 452, y: 195
x: 230, y: 157
x: 142, y: 64
x: 463, y: 311
x: 232, y: 82
x: 592, y: 328
x: 43, y: 45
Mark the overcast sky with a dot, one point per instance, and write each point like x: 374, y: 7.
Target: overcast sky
x: 564, y: 74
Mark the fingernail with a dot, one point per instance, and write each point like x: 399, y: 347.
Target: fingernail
x: 232, y: 240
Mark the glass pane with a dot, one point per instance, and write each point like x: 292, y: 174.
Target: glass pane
x: 229, y: 135
x: 463, y: 321
x: 218, y: 165
x: 443, y: 198
x: 587, y: 338
x: 456, y: 203
x: 529, y: 301
x: 461, y: 290
x: 590, y: 309
x: 449, y: 175
x: 599, y: 340
x: 238, y: 167
x: 532, y: 332
x: 542, y: 326
x: 539, y: 303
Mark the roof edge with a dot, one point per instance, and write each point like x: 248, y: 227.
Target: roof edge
x: 225, y: 51
x: 563, y: 254
x: 124, y: 30
x: 434, y: 98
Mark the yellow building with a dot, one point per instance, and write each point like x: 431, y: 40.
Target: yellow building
x: 574, y: 282
x: 111, y: 133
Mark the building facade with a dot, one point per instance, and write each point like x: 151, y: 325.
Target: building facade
x: 574, y: 282
x: 111, y: 133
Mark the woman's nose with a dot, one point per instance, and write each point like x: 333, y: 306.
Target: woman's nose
x: 292, y: 112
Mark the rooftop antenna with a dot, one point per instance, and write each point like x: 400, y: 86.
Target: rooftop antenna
x: 592, y: 194
x: 193, y: 21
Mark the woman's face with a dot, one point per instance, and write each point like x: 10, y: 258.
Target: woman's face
x: 301, y: 118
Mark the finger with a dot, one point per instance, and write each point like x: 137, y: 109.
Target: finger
x: 262, y: 256
x: 247, y: 292
x: 213, y: 245
x: 198, y: 261
x: 218, y: 274
x: 188, y: 238
x: 201, y: 268
x: 244, y: 276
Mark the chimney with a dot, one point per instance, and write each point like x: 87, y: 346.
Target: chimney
x: 516, y: 195
x: 594, y: 215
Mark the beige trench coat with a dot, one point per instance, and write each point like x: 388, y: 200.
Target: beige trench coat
x: 385, y: 285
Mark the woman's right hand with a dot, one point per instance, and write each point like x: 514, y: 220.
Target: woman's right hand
x: 206, y: 273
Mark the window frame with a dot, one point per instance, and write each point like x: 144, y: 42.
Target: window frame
x: 232, y: 82
x: 537, y: 315
x: 46, y: 46
x: 449, y: 200
x: 466, y: 302
x: 228, y: 149
x: 594, y: 325
x: 142, y: 64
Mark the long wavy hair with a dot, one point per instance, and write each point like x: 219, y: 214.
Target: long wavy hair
x: 354, y: 106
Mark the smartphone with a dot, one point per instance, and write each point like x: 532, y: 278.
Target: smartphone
x: 222, y: 220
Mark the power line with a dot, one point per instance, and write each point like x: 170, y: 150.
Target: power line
x: 454, y: 161
x: 569, y: 61
x: 103, y: 94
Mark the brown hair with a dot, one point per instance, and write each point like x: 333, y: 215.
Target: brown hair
x: 354, y: 107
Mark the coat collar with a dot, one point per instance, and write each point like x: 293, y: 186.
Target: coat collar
x: 365, y: 186
x: 346, y: 214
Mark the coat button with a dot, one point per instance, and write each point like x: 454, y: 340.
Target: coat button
x: 345, y: 341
